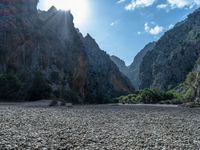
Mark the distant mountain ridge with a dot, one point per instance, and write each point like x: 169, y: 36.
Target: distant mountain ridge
x: 173, y: 56
x: 165, y: 63
x: 73, y: 66
x: 134, y: 68
x: 132, y: 71
x: 108, y: 78
x: 120, y: 64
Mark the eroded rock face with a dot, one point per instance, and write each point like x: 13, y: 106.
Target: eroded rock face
x: 73, y: 59
x: 132, y: 71
x: 134, y: 68
x: 48, y: 42
x: 120, y: 64
x: 173, y: 56
x: 103, y: 74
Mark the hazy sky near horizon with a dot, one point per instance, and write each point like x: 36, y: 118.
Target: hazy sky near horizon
x: 124, y: 27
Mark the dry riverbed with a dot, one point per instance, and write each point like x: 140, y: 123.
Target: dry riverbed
x: 100, y: 127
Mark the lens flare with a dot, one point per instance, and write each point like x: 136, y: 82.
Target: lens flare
x: 79, y: 8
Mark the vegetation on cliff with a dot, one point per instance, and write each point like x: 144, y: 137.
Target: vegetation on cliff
x: 173, y: 56
x: 189, y: 90
x: 186, y: 92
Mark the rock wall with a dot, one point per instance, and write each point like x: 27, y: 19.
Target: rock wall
x: 134, y: 68
x: 47, y: 42
x: 173, y: 56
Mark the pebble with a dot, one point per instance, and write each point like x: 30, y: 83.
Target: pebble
x: 99, y: 127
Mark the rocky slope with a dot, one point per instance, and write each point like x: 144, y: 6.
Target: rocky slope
x: 132, y: 71
x: 134, y: 68
x: 108, y: 78
x: 173, y: 56
x: 120, y: 64
x: 48, y: 42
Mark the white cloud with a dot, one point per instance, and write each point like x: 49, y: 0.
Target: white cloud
x: 114, y: 23
x: 162, y: 6
x: 172, y: 4
x: 167, y: 4
x: 179, y: 3
x: 153, y: 29
x: 139, y: 3
x: 170, y: 26
x: 139, y: 33
x: 120, y: 1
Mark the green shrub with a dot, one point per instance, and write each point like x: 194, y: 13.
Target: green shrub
x: 138, y: 99
x: 152, y: 96
x: 129, y: 99
x: 72, y: 97
x: 191, y: 78
x: 132, y: 100
x: 173, y: 101
x: 198, y: 61
x: 184, y: 92
x: 147, y: 96
x: 39, y: 88
x: 9, y: 87
x: 189, y: 94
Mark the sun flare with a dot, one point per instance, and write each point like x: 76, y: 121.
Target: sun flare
x: 79, y: 8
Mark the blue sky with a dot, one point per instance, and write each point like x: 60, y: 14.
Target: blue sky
x: 124, y: 27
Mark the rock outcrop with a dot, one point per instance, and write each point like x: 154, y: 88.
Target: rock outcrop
x: 103, y: 73
x: 120, y: 64
x: 48, y: 42
x: 134, y: 68
x: 173, y: 56
x: 132, y: 71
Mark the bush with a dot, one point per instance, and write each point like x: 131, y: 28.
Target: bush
x: 129, y: 99
x: 138, y: 99
x: 39, y: 88
x: 72, y: 97
x: 147, y: 96
x: 155, y: 96
x: 189, y: 94
x: 191, y: 78
x: 184, y: 92
x: 9, y: 87
x: 173, y: 101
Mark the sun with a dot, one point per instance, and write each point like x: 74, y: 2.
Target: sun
x: 79, y: 8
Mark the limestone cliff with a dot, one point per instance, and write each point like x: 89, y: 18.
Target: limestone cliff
x: 47, y: 42
x: 107, y: 76
x: 173, y: 56
x: 134, y: 68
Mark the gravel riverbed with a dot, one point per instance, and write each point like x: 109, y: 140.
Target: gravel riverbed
x: 99, y: 127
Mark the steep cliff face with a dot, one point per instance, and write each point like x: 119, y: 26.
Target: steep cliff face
x: 47, y: 42
x: 50, y: 46
x: 134, y: 68
x: 104, y: 74
x: 71, y: 55
x: 173, y: 56
x: 120, y: 64
x: 132, y: 71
